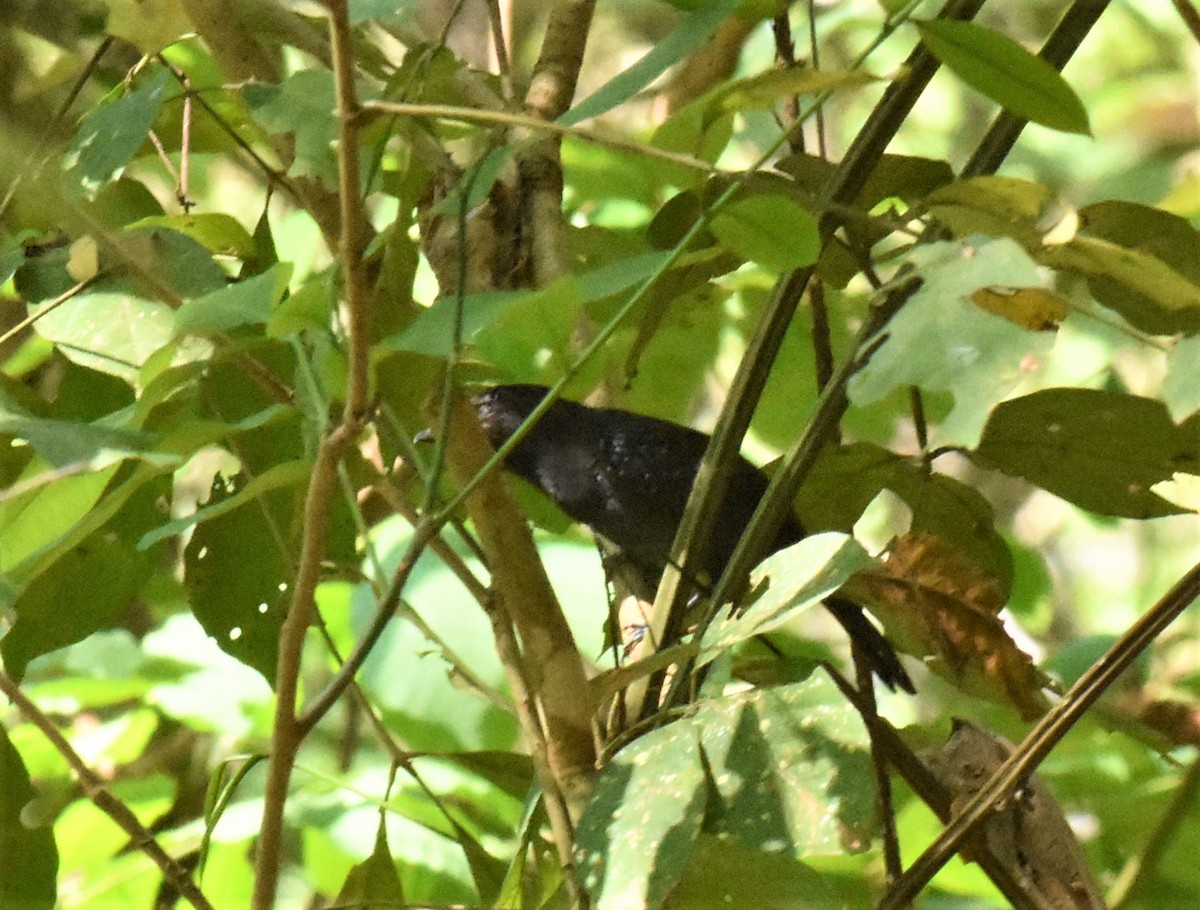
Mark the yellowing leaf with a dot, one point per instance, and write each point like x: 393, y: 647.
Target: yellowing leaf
x: 1032, y: 308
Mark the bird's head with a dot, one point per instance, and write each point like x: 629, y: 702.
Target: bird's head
x: 503, y: 408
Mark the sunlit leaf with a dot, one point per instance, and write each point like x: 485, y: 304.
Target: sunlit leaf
x: 976, y: 356
x: 642, y: 820
x: 787, y: 583
x: 1001, y: 69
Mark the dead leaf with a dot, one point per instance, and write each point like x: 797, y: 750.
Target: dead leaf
x: 938, y: 606
x: 1029, y: 835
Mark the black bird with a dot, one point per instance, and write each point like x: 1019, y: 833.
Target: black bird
x: 627, y: 477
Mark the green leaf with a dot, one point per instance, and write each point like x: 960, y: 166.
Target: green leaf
x: 717, y: 879
x: 431, y: 332
x: 33, y: 521
x: 246, y: 302
x: 1148, y: 292
x: 237, y: 578
x: 637, y: 833
x: 301, y: 105
x: 1102, y: 451
x: 790, y: 769
x: 105, y: 565
x: 277, y: 477
x: 785, y: 770
x: 790, y: 582
x: 1161, y: 305
x: 975, y: 355
x: 1001, y: 69
x: 114, y: 333
x: 110, y: 135
x: 997, y: 206
x: 215, y: 231
x: 64, y: 443
x: 693, y: 31
x: 846, y: 479
x: 374, y: 883
x: 771, y: 230
x: 28, y: 856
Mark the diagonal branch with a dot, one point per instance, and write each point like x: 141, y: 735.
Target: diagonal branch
x: 95, y: 790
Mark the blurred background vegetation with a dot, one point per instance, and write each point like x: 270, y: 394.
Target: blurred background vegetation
x: 166, y: 717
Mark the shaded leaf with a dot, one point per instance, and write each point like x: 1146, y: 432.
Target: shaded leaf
x: 237, y: 579
x: 1102, y: 451
x: 717, y: 879
x: 692, y: 32
x: 939, y: 607
x: 1001, y: 69
x: 246, y: 302
x: 106, y: 565
x: 302, y: 105
x: 374, y: 883
x: 997, y: 206
x: 28, y: 855
x: 846, y: 479
x: 1141, y: 287
x: 773, y: 86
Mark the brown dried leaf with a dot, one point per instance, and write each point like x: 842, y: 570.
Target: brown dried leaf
x: 941, y: 608
x: 1029, y: 835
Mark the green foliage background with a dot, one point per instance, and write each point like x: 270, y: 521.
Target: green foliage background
x: 172, y: 353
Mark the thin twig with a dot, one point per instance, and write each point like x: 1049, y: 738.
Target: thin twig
x: 47, y: 308
x: 140, y: 838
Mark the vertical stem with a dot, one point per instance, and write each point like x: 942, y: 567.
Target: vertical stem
x: 288, y: 731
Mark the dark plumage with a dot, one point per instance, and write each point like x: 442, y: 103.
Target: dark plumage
x: 628, y: 477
